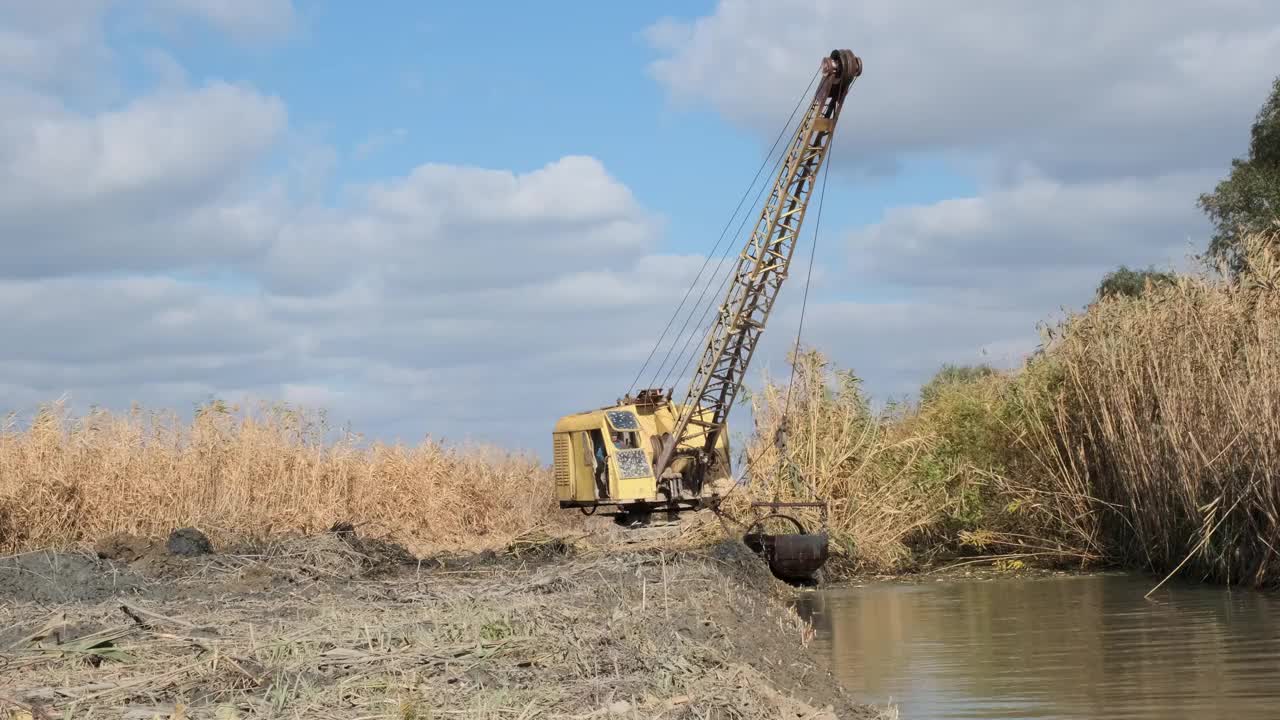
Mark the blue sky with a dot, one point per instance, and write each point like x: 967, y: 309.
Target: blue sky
x: 465, y: 220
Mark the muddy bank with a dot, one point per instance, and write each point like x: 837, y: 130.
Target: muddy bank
x: 976, y: 572
x: 340, y: 626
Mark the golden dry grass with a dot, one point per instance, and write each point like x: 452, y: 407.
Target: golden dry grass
x: 66, y: 480
x: 1168, y: 418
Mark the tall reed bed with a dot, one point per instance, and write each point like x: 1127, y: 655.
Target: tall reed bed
x: 68, y: 479
x: 954, y: 476
x: 1168, y: 416
x: 1146, y: 432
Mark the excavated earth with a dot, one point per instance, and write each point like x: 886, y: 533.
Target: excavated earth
x: 340, y: 626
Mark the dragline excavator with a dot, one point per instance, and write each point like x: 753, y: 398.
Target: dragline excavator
x: 647, y: 453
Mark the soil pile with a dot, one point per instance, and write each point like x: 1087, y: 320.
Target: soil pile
x: 336, y: 627
x: 49, y: 577
x: 188, y: 542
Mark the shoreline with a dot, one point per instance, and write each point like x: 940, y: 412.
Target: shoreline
x: 340, y: 626
x: 976, y: 572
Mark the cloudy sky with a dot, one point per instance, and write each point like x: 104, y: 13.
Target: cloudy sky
x: 467, y: 221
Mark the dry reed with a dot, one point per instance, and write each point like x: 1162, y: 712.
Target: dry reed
x: 629, y: 635
x: 820, y: 440
x: 1168, y: 418
x: 67, y: 480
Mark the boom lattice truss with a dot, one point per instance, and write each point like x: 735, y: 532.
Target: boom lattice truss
x: 761, y: 268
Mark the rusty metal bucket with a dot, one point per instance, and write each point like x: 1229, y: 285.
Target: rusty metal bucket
x: 792, y: 557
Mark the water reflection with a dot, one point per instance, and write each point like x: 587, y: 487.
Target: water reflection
x: 1065, y: 647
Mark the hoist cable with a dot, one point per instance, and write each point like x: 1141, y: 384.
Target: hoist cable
x: 764, y: 163
x: 707, y: 328
x: 703, y: 323
x: 813, y: 251
x: 784, y: 458
x: 705, y: 335
x: 693, y: 311
x: 711, y: 300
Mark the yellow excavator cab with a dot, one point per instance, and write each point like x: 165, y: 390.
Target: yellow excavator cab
x: 606, y: 457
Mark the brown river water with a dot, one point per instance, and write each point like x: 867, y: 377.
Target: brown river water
x: 1054, y: 648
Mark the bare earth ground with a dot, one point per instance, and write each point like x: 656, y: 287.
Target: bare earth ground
x: 338, y: 626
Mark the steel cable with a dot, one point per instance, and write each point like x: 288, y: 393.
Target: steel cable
x: 709, y: 300
x: 813, y: 251
x: 764, y: 163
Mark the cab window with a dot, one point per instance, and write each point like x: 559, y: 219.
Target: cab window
x: 624, y: 429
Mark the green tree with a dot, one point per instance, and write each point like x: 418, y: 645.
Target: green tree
x: 1123, y: 282
x: 1248, y: 200
x: 953, y: 375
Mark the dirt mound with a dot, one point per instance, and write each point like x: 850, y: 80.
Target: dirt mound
x: 120, y: 564
x: 256, y: 579
x: 380, y: 557
x: 49, y: 577
x: 737, y: 562
x: 634, y: 634
x: 528, y: 551
x: 123, y: 547
x: 672, y: 631
x: 151, y: 558
x: 188, y: 542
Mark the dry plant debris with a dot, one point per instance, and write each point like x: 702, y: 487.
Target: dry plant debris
x: 317, y: 628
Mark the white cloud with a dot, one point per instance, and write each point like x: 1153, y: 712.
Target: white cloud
x: 1040, y: 239
x: 1079, y: 90
x: 185, y: 140
x: 895, y: 346
x: 155, y: 258
x: 122, y: 323
x: 61, y: 45
x: 166, y: 69
x: 242, y: 18
x: 146, y: 186
x: 448, y: 227
x: 573, y: 189
x: 480, y: 296
x: 57, y: 44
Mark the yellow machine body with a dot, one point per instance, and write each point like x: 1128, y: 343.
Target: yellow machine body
x: 629, y: 437
x: 648, y: 453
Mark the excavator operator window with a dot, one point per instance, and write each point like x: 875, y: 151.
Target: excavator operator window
x: 624, y: 440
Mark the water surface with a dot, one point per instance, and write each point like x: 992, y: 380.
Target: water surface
x: 1054, y: 648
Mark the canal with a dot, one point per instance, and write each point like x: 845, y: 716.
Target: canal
x: 1059, y: 647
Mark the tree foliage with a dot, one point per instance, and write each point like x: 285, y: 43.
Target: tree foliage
x: 1248, y: 200
x: 1124, y: 282
x: 953, y: 375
